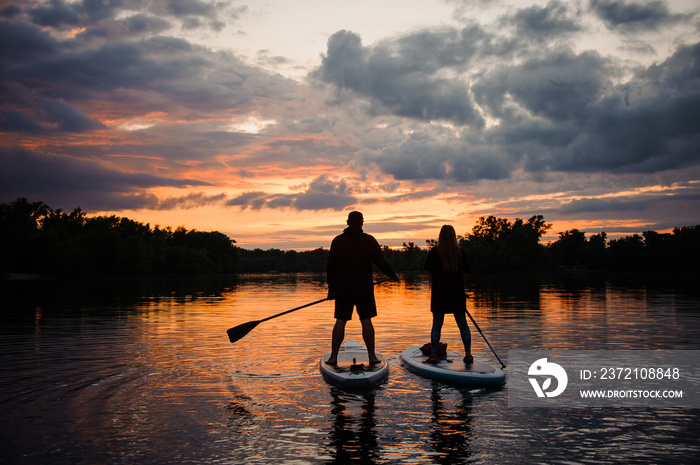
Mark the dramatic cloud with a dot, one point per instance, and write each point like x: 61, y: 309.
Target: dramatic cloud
x: 582, y: 111
x: 31, y: 112
x: 634, y: 15
x: 195, y: 200
x: 78, y: 183
x: 558, y: 111
x: 431, y: 156
x: 322, y: 194
x: 540, y: 23
x: 158, y: 74
x: 86, y: 13
x: 135, y: 25
x: 402, y: 77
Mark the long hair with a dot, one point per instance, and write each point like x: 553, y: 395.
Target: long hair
x: 448, y: 250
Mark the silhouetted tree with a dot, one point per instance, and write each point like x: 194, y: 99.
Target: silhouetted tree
x: 686, y: 251
x: 627, y: 253
x: 573, y: 250
x: 19, y: 234
x: 496, y: 244
x: 409, y: 258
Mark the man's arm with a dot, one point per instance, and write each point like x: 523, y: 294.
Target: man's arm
x: 332, y: 270
x: 380, y: 261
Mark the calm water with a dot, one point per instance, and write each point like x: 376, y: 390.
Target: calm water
x: 142, y: 372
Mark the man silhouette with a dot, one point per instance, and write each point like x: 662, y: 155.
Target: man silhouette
x: 349, y: 275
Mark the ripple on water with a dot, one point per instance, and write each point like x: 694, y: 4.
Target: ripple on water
x: 153, y: 379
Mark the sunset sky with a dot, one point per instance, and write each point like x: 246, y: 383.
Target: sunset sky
x: 270, y: 120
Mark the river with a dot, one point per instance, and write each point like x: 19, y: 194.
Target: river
x: 141, y: 371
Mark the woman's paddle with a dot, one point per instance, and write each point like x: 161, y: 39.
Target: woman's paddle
x: 238, y: 332
x: 503, y: 365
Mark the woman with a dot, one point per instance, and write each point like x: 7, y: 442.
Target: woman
x: 447, y: 264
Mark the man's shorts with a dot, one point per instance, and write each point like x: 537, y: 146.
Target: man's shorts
x: 366, y: 307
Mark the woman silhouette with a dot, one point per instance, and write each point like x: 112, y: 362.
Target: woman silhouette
x: 447, y: 264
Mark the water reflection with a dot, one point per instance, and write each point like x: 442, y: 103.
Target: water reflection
x: 450, y: 436
x: 66, y: 296
x: 143, y: 372
x: 238, y: 411
x: 353, y: 437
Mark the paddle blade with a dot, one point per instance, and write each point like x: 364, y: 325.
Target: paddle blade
x: 240, y: 331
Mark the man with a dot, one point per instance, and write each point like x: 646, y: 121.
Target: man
x: 350, y: 282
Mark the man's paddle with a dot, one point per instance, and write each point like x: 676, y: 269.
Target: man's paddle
x: 238, y: 332
x: 241, y: 330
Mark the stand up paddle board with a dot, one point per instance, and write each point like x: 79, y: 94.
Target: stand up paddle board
x: 451, y: 368
x: 353, y: 370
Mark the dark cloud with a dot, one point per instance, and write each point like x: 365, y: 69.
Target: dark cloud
x: 52, y: 84
x: 554, y: 20
x: 431, y: 156
x: 624, y: 203
x: 650, y: 126
x: 102, y: 68
x: 402, y: 77
x: 10, y: 11
x: 136, y: 25
x: 565, y: 112
x: 635, y: 15
x: 35, y: 44
x: 559, y: 86
x: 68, y: 118
x: 325, y: 194
x: 190, y: 201
x: 322, y: 193
x: 184, y: 7
x: 663, y: 209
x: 143, y: 65
x: 557, y: 110
x: 60, y: 14
x: 411, y: 196
x: 254, y: 200
x: 26, y: 173
x: 27, y: 111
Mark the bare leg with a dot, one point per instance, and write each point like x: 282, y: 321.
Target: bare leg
x: 336, y: 340
x: 436, y: 331
x: 461, y: 320
x: 368, y: 336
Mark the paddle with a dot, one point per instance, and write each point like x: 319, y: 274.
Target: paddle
x: 240, y: 331
x: 503, y: 365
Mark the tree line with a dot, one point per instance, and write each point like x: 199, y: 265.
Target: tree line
x: 496, y: 245
x: 37, y: 239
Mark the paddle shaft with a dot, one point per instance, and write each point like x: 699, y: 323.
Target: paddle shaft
x: 309, y: 305
x: 293, y: 310
x: 240, y: 331
x: 503, y: 365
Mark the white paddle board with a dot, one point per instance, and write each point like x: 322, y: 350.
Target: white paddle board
x: 353, y: 370
x: 451, y: 368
